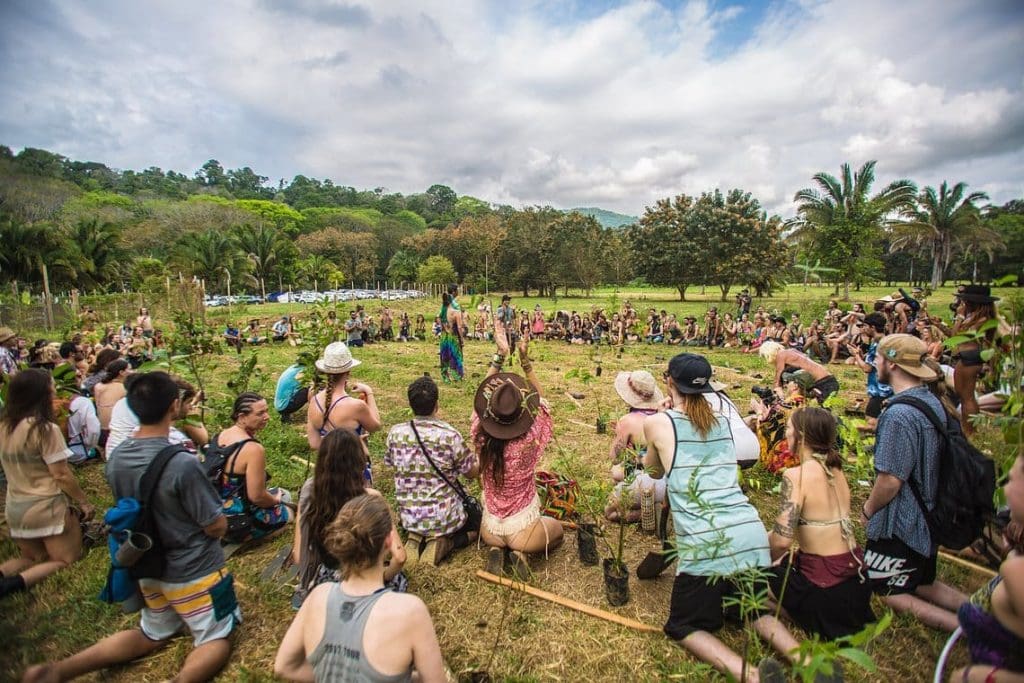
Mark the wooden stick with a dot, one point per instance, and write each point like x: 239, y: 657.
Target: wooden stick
x: 573, y: 399
x: 964, y: 563
x: 571, y: 604
x: 583, y: 424
x: 302, y: 461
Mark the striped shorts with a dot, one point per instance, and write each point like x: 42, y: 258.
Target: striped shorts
x: 206, y: 606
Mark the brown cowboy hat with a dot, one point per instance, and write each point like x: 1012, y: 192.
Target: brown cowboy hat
x: 506, y: 405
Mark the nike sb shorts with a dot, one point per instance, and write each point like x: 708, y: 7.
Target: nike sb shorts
x: 895, y: 568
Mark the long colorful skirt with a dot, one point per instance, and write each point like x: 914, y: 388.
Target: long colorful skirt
x: 451, y: 356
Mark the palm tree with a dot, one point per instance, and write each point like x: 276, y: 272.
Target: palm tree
x: 842, y: 224
x: 261, y: 246
x: 206, y: 255
x: 316, y: 268
x: 947, y: 222
x: 94, y: 249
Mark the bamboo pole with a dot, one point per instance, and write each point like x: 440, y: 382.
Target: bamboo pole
x: 964, y: 563
x: 571, y: 604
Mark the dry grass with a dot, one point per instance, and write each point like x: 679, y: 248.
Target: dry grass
x: 482, y: 627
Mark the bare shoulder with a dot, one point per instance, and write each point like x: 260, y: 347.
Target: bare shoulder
x: 1012, y: 571
x: 404, y: 606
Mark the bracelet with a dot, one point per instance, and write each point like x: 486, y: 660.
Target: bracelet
x: 496, y: 364
x: 498, y: 358
x: 864, y: 510
x: 991, y: 678
x: 527, y: 367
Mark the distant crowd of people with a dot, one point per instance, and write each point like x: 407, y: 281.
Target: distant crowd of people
x: 678, y: 450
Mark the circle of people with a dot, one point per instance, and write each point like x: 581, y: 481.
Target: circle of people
x: 678, y: 447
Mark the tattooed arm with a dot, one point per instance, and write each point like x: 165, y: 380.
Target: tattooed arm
x: 784, y: 529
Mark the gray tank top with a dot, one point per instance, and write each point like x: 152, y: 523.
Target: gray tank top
x: 339, y: 656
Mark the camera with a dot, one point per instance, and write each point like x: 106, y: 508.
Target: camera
x: 766, y: 394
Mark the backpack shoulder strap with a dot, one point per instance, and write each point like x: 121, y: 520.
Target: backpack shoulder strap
x: 915, y: 402
x: 155, y: 470
x: 236, y: 448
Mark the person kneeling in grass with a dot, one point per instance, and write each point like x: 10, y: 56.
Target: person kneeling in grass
x: 511, y: 427
x: 720, y: 541
x: 358, y: 630
x: 428, y: 455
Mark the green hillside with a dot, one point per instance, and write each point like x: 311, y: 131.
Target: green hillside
x: 608, y: 219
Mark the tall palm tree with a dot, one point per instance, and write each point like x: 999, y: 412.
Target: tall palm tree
x: 261, y: 245
x: 318, y: 269
x: 842, y: 222
x: 947, y: 223
x: 207, y: 254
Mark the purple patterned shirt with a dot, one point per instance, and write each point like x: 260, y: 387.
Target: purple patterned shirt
x: 426, y: 504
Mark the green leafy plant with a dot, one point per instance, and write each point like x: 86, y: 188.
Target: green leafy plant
x: 819, y: 657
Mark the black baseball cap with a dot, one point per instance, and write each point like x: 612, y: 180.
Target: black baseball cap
x: 691, y: 373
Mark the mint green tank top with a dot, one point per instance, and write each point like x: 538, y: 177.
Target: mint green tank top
x: 718, y: 532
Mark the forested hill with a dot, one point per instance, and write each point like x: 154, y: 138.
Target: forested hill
x: 608, y: 219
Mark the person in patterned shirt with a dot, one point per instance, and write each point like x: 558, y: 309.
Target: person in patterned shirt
x: 431, y: 511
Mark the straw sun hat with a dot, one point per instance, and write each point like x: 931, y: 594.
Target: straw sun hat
x: 638, y: 389
x: 336, y: 359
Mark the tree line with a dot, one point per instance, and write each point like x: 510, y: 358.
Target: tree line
x: 97, y: 228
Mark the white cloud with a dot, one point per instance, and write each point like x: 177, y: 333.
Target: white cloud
x: 526, y: 104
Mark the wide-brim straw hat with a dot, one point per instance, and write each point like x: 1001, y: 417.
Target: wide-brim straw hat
x: 891, y: 298
x: 6, y: 334
x: 506, y: 405
x: 336, y: 359
x: 638, y: 389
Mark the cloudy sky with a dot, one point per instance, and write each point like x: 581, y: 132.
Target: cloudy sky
x: 585, y: 103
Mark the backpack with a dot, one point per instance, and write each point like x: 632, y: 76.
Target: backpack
x: 967, y: 483
x: 217, y: 456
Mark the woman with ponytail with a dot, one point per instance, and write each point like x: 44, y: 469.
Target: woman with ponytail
x: 822, y: 586
x: 358, y: 629
x: 334, y: 407
x: 450, y: 346
x: 720, y: 540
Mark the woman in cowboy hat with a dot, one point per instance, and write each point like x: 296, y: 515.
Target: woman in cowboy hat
x: 334, y: 407
x: 510, y: 429
x: 976, y: 307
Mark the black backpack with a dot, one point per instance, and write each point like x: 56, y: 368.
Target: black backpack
x: 217, y: 457
x: 967, y: 483
x: 151, y: 564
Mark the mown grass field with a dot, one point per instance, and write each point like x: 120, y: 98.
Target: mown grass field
x: 481, y: 627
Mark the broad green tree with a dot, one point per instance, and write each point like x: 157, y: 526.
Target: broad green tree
x: 94, y: 249
x: 665, y: 247
x: 841, y: 222
x: 437, y: 270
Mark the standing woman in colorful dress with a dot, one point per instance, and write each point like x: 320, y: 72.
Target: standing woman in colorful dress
x: 451, y: 335
x: 40, y: 485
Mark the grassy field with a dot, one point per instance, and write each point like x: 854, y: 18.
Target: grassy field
x: 481, y: 627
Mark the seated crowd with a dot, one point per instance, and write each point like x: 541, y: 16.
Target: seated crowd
x: 678, y: 449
